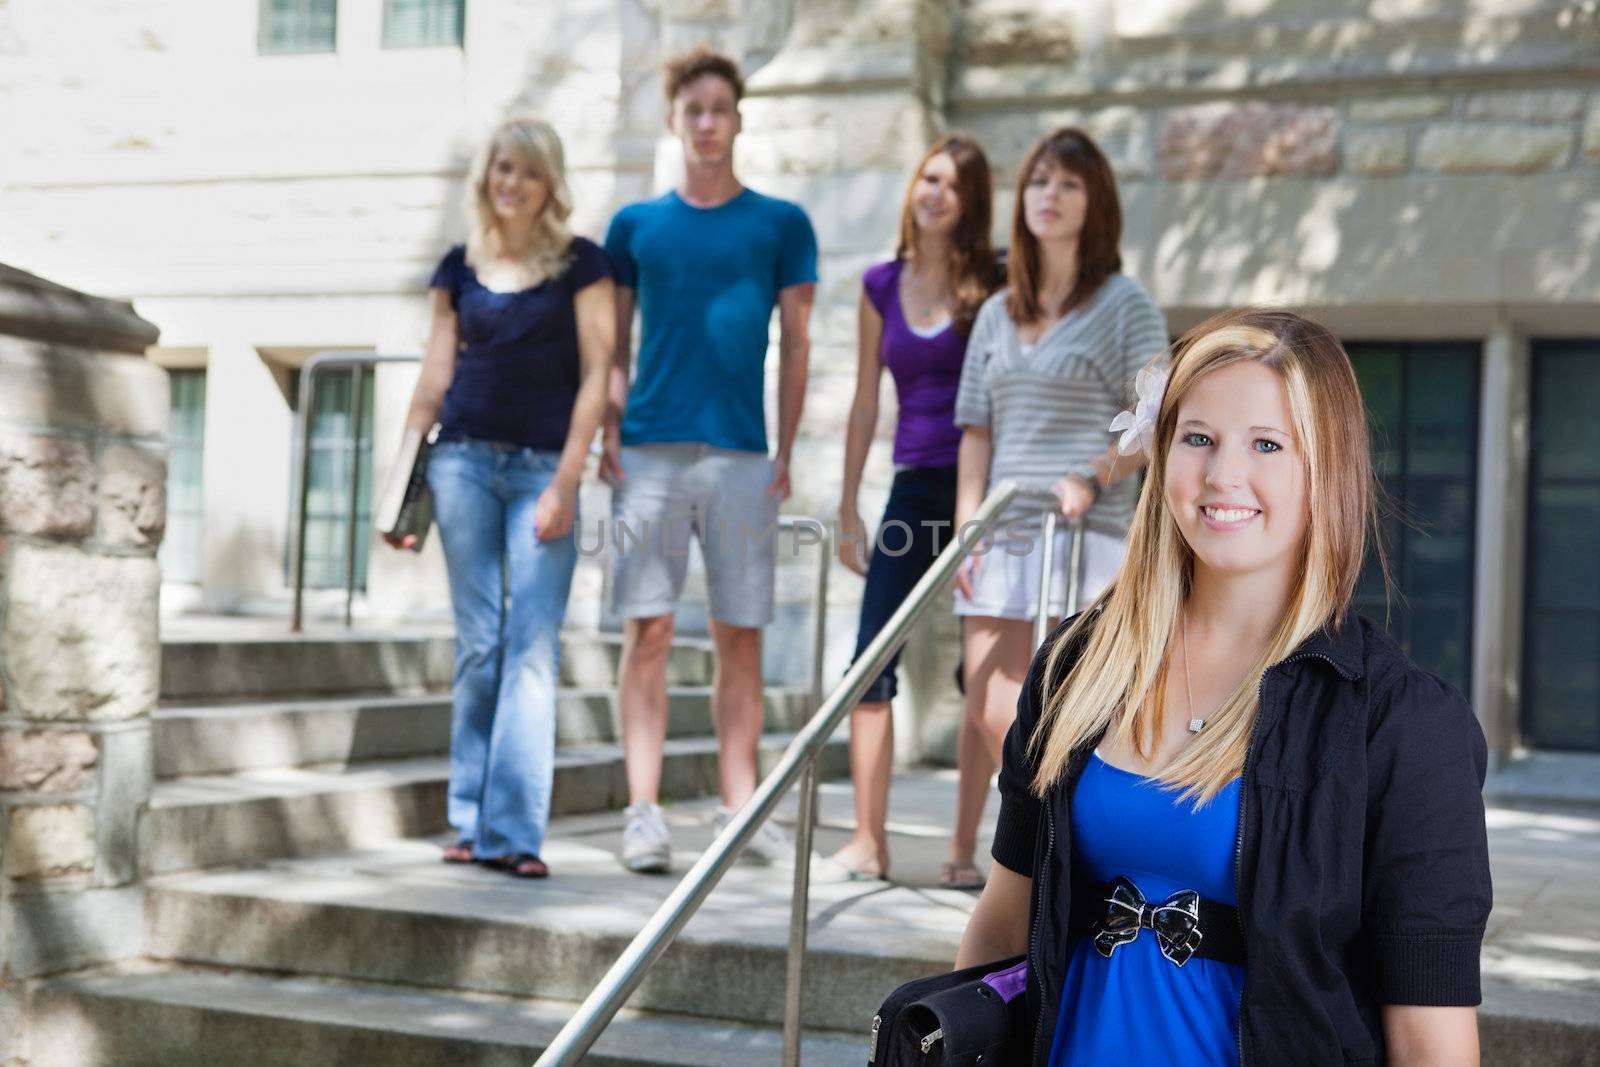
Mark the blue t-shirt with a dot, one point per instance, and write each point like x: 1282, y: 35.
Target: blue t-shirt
x: 1138, y: 1007
x: 706, y: 281
x: 517, y: 370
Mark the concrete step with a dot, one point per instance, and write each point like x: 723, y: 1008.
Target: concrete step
x: 271, y: 667
x: 252, y: 816
x: 397, y: 915
x: 330, y: 731
x: 203, y: 1018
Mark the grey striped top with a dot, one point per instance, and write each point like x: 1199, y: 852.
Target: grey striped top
x: 1048, y: 408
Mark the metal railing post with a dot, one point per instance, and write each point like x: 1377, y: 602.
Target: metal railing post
x: 298, y: 547
x: 800, y: 901
x: 1047, y: 567
x: 603, y: 1002
x: 1074, y: 567
x: 320, y: 361
x: 356, y: 375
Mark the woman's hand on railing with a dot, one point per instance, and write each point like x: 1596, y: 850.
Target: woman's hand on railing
x: 1074, y: 495
x: 552, y: 515
x: 967, y: 574
x: 852, y: 541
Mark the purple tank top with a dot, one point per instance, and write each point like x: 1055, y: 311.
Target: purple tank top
x: 926, y: 372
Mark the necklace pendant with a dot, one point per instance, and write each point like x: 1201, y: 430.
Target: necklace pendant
x: 1196, y: 725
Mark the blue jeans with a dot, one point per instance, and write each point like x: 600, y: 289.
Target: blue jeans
x: 508, y: 591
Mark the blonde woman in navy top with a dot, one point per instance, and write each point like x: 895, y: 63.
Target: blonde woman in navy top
x: 515, y: 376
x: 915, y: 313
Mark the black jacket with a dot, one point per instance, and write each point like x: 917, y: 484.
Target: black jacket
x: 1362, y: 858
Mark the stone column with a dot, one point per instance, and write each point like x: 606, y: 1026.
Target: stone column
x: 83, y: 421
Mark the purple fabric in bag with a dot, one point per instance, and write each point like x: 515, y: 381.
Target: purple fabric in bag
x: 1010, y: 982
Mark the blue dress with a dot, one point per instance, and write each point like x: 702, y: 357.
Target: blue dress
x: 1138, y: 1007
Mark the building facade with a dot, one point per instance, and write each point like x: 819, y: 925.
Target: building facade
x: 271, y: 179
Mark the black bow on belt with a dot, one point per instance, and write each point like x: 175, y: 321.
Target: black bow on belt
x: 1176, y: 921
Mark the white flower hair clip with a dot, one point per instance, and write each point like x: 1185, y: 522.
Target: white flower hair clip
x: 1139, y: 425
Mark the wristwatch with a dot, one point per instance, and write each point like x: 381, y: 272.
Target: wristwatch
x: 1089, y: 474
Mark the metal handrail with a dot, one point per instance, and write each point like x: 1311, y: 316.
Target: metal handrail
x: 319, y: 362
x: 799, y: 760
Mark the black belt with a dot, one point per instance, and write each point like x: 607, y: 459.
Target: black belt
x: 1184, y: 925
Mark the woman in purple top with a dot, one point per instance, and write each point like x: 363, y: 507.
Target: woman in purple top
x: 915, y: 312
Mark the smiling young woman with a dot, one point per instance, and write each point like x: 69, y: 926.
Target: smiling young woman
x: 1246, y: 827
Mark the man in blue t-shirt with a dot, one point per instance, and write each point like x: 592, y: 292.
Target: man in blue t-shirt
x: 686, y: 443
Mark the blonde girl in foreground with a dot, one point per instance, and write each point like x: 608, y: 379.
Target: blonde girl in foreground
x: 1238, y: 825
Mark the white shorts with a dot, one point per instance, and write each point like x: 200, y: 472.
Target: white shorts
x: 1006, y: 585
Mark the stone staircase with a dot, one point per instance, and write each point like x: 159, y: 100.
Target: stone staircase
x: 297, y: 913
x: 296, y: 909
x: 275, y: 747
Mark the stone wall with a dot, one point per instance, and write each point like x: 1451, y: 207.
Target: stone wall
x: 83, y: 423
x: 1406, y: 170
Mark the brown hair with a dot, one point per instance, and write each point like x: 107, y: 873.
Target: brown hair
x: 1117, y: 683
x: 972, y: 262
x: 1098, y: 245
x: 697, y: 62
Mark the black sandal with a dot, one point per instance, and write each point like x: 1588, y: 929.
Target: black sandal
x: 460, y: 852
x: 522, y: 865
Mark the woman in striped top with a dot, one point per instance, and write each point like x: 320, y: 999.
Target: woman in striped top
x: 1051, y: 361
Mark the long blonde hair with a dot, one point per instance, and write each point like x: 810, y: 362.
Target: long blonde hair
x: 1117, y: 685
x: 534, y: 142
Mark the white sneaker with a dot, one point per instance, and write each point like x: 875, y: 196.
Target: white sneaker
x: 646, y: 844
x: 771, y: 845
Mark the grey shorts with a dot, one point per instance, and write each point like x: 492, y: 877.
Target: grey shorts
x: 674, y: 493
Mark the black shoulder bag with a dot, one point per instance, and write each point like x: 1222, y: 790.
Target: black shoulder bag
x: 974, y: 1017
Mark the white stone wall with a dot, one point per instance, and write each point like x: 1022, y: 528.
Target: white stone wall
x: 1405, y: 170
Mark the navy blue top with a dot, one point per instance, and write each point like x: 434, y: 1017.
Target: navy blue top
x: 517, y: 373
x: 706, y: 280
x: 1138, y: 1007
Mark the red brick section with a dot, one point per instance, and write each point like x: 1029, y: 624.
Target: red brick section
x: 46, y: 761
x: 1248, y: 140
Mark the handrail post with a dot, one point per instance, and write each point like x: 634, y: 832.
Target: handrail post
x: 800, y: 900
x: 1074, y: 567
x: 356, y: 376
x: 309, y: 370
x: 1047, y: 566
x: 307, y: 391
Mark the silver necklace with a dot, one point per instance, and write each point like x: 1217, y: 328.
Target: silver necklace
x: 1195, y: 725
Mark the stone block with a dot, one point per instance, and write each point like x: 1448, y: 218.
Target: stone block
x: 1008, y: 32
x: 1540, y: 105
x: 1248, y: 140
x: 66, y: 930
x: 127, y: 776
x: 46, y: 761
x: 80, y: 633
x: 698, y: 10
x: 46, y: 486
x: 132, y: 494
x: 1379, y: 150
x: 48, y: 840
x: 55, y: 385
x: 13, y: 1016
x: 129, y: 396
x: 1398, y: 108
x: 890, y: 132
x: 1472, y: 147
